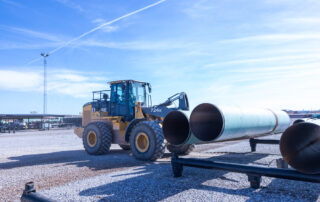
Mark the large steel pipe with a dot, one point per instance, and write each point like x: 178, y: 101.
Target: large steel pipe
x: 210, y: 123
x: 176, y: 129
x: 300, y: 147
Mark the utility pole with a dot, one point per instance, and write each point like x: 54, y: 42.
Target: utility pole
x: 44, y: 81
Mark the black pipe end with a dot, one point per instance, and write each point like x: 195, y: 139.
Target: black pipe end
x: 175, y: 128
x: 206, y: 122
x: 300, y: 147
x: 298, y: 121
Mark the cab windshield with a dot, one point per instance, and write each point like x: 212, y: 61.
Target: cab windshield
x: 139, y: 93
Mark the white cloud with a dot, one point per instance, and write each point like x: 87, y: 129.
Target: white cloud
x: 27, y: 46
x: 292, y: 2
x: 291, y: 58
x: 107, y: 28
x: 303, y: 20
x: 75, y: 89
x: 48, y: 39
x: 20, y: 80
x: 294, y: 24
x: 60, y: 81
x: 13, y: 3
x: 199, y: 9
x: 36, y: 34
x: 276, y: 38
x: 54, y: 41
x: 305, y: 68
x: 71, y: 4
x: 287, y: 87
x: 32, y: 33
x: 70, y: 77
x: 129, y: 45
x: 136, y: 45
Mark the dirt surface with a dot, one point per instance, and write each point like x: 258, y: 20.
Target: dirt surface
x: 62, y: 170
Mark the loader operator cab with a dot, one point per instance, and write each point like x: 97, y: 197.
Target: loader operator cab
x: 124, y: 95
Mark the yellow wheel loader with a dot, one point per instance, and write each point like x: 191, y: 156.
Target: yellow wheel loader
x: 124, y: 115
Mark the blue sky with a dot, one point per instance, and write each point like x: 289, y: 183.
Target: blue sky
x: 248, y: 53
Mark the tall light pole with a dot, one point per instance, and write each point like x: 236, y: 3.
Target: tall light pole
x: 44, y: 81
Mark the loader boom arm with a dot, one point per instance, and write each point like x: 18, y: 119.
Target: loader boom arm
x: 183, y: 101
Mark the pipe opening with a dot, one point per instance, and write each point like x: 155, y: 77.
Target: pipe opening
x: 206, y: 122
x: 175, y: 128
x: 300, y: 147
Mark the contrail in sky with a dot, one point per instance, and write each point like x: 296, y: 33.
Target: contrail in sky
x: 98, y: 28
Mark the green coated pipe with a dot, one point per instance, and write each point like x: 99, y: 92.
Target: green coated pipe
x: 208, y: 123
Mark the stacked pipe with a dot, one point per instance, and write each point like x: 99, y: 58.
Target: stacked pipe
x: 208, y: 123
x: 299, y: 144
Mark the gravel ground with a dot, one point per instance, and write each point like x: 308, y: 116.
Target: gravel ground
x: 61, y: 169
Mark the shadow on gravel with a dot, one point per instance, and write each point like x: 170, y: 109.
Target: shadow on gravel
x: 156, y: 182
x: 302, y: 191
x: 277, y: 190
x: 116, y: 158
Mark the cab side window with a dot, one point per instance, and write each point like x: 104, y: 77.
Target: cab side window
x: 133, y: 94
x: 120, y: 94
x: 113, y: 93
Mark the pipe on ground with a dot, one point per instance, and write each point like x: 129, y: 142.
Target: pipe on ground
x: 300, y: 147
x: 208, y: 123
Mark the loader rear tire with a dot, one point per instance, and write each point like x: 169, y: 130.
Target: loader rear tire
x: 181, y: 150
x: 97, y: 138
x: 147, y: 141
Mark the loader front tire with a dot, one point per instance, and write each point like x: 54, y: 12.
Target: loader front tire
x: 147, y: 141
x: 97, y: 138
